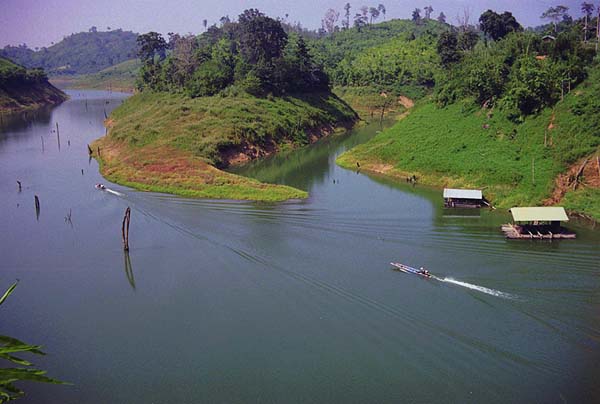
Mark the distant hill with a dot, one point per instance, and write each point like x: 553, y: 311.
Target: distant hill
x: 119, y: 77
x: 21, y: 88
x: 82, y: 53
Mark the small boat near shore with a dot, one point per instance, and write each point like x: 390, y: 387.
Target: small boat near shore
x: 410, y: 270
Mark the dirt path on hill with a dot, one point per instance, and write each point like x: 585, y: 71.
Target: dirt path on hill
x: 590, y: 177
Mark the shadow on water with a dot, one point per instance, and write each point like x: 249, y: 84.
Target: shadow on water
x: 302, y: 168
x: 129, y: 269
x: 12, y: 124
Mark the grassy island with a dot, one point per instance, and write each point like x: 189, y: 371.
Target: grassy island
x: 173, y: 143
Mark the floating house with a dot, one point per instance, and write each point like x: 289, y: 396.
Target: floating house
x: 463, y: 198
x: 538, y: 223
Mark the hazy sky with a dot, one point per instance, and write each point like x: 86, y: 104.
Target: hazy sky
x: 40, y: 22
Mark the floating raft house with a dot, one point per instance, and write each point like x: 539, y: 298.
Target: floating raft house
x: 543, y: 223
x: 463, y: 198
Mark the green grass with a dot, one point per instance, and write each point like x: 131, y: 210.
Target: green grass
x: 368, y: 102
x: 119, y: 77
x: 463, y: 146
x: 210, y: 126
x: 172, y: 143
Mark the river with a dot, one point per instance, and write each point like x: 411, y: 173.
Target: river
x: 236, y: 302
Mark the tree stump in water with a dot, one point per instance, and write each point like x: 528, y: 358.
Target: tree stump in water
x: 125, y: 228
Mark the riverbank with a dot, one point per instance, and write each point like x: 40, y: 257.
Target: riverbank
x: 172, y: 143
x: 22, y: 89
x: 516, y: 165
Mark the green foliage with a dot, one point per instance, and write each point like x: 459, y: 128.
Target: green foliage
x: 447, y: 48
x: 519, y: 73
x: 81, y: 53
x: 346, y: 54
x: 465, y: 146
x: 8, y: 376
x: 254, y: 54
x: 497, y: 26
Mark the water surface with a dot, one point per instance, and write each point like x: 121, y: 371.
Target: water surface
x: 223, y: 301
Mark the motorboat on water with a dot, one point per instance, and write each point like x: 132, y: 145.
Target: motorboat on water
x: 410, y: 270
x: 100, y: 186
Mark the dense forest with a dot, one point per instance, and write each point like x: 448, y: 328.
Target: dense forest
x: 253, y: 54
x: 81, y: 53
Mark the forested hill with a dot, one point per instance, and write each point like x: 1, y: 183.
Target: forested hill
x: 21, y: 88
x: 81, y: 53
x: 391, y: 53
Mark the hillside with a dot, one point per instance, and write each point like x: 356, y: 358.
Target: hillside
x: 24, y: 89
x: 396, y: 55
x: 461, y: 145
x: 173, y: 143
x: 81, y: 53
x: 119, y: 77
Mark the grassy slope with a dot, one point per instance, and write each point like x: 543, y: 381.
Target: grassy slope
x: 120, y: 77
x: 461, y: 147
x: 171, y: 143
x: 21, y: 96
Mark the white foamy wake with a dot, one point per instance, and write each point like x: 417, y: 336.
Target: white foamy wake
x: 478, y: 288
x: 113, y: 192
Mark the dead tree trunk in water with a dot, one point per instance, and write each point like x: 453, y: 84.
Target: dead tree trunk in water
x: 89, y: 150
x: 19, y: 182
x: 58, y: 135
x: 37, y: 207
x: 125, y: 229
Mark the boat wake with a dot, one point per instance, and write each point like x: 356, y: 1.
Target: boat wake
x: 478, y: 288
x: 113, y: 192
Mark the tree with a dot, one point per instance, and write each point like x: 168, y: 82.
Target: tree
x: 587, y: 9
x: 497, y: 26
x: 331, y: 17
x: 416, y: 16
x: 442, y: 18
x: 467, y: 40
x: 374, y: 14
x: 428, y: 10
x: 360, y: 21
x: 261, y: 38
x: 151, y: 45
x: 346, y: 22
x: 447, y: 47
x: 555, y: 14
x: 381, y: 9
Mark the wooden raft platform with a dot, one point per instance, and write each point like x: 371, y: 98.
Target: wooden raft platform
x: 536, y: 232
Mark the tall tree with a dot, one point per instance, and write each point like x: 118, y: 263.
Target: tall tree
x: 346, y: 22
x: 331, y: 17
x: 360, y: 21
x: 382, y: 10
x: 428, y: 10
x: 555, y: 14
x: 442, y: 18
x: 416, y: 15
x: 261, y: 38
x: 497, y: 26
x: 587, y: 9
x: 151, y: 45
x: 447, y: 47
x: 374, y: 14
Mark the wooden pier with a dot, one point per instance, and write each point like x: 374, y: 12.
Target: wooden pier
x: 533, y: 232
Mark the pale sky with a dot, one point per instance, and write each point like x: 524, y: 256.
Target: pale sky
x: 40, y: 22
